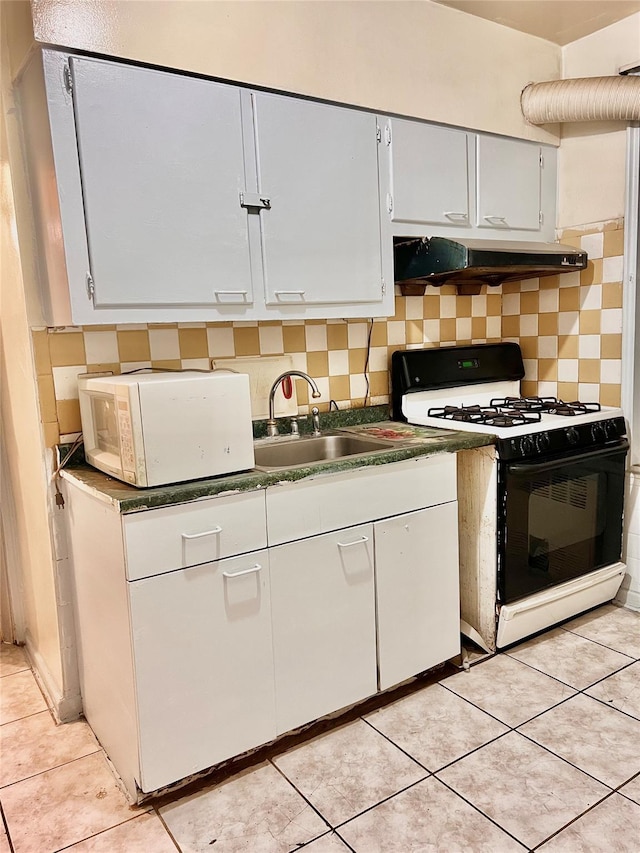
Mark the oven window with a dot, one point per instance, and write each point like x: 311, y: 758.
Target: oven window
x: 562, y: 519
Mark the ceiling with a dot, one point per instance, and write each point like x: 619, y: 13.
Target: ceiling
x: 559, y: 21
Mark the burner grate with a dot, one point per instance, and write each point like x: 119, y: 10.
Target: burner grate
x: 549, y: 405
x: 487, y: 416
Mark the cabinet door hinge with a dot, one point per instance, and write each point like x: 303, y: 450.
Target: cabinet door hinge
x: 378, y: 133
x: 389, y: 203
x: 387, y: 133
x: 255, y: 201
x: 541, y: 160
x: 540, y: 217
x: 91, y: 289
x: 384, y: 287
x: 67, y: 78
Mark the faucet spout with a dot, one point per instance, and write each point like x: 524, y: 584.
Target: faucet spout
x: 272, y: 427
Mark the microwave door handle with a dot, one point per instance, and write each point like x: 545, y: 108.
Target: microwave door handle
x: 621, y: 446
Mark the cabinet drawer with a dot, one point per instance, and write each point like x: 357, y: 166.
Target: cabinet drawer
x: 161, y: 540
x: 321, y: 504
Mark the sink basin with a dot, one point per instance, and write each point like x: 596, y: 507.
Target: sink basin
x: 306, y: 450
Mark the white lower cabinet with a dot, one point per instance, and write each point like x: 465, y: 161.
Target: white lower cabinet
x: 203, y: 666
x: 184, y: 664
x: 324, y: 631
x: 418, y: 600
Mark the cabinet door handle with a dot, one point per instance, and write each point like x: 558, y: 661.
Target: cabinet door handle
x: 241, y: 293
x: 279, y: 293
x: 450, y: 214
x: 211, y: 532
x: 250, y: 571
x: 355, y: 542
x: 496, y: 220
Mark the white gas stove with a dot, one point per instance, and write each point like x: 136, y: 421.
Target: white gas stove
x: 558, y: 481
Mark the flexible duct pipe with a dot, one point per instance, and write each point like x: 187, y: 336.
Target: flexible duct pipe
x: 582, y: 99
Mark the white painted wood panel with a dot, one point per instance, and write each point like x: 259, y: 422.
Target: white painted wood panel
x: 161, y: 540
x: 323, y: 607
x: 103, y: 637
x: 429, y: 173
x: 509, y: 184
x: 320, y: 504
x: 417, y: 592
x: 204, y: 666
x: 162, y: 165
x: 318, y: 164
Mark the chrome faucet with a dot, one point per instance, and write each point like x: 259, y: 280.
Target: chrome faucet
x: 272, y: 427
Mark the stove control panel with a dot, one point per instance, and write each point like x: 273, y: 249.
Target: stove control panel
x: 567, y: 439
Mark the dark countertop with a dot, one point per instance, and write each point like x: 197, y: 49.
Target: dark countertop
x: 405, y: 442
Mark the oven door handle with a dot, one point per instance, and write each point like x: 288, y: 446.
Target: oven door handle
x: 532, y: 467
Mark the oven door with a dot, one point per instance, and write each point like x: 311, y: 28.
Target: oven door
x: 560, y: 518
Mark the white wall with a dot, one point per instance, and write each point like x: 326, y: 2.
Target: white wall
x: 591, y: 161
x: 413, y: 57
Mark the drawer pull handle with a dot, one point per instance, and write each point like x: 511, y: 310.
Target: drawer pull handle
x: 250, y: 571
x: 496, y: 220
x: 451, y: 214
x: 355, y: 542
x: 212, y: 532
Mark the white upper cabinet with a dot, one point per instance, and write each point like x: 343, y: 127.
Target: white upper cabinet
x: 453, y: 183
x: 429, y: 173
x: 318, y: 166
x: 509, y: 184
x: 185, y: 199
x: 162, y: 165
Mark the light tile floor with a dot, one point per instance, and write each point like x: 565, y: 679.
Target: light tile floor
x: 537, y: 748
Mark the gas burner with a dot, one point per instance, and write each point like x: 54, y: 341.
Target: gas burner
x: 549, y: 405
x: 488, y: 416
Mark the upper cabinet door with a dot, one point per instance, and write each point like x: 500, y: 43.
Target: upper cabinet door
x: 508, y: 183
x: 318, y: 166
x: 429, y: 173
x: 162, y: 165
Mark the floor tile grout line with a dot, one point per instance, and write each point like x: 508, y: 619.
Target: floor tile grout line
x: 16, y: 672
x: 566, y: 760
x: 575, y: 819
x: 101, y: 832
x: 599, y: 643
x: 479, y: 810
x: 573, y: 687
x: 472, y: 751
x: 393, y: 743
x: 381, y: 802
x: 305, y: 798
x: 3, y: 820
x: 611, y: 707
x: 164, y: 823
x: 313, y: 840
x: 55, y: 767
x: 26, y: 716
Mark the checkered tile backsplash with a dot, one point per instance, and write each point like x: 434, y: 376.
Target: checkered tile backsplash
x: 569, y: 328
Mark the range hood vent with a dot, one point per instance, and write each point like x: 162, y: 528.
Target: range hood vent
x: 472, y: 263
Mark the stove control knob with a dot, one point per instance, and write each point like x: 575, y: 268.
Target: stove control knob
x: 598, y: 432
x: 526, y: 445
x: 543, y: 442
x: 609, y: 428
x: 573, y: 436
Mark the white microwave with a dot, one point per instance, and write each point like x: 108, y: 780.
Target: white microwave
x: 152, y: 429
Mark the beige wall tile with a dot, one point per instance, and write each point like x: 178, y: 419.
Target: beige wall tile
x: 293, y: 338
x: 105, y: 368
x: 317, y: 364
x: 613, y: 243
x: 193, y: 343
x: 478, y: 328
x: 337, y: 337
x: 609, y: 395
x: 590, y: 322
x: 529, y: 302
x: 379, y: 383
x: 339, y: 387
x: 568, y: 391
x: 133, y: 345
x: 51, y: 434
x: 379, y: 334
x: 568, y: 346
x: 66, y: 348
x: 69, y: 416
x: 47, y: 399
x: 589, y: 370
x: 357, y: 359
x: 548, y: 323
x: 448, y: 330
x: 569, y: 299
x: 529, y: 347
x: 511, y: 326
x: 612, y: 293
x: 611, y: 346
x: 548, y: 369
x: 167, y: 364
x: 247, y: 340
x: 41, y: 354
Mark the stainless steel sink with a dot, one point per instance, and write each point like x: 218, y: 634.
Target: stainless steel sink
x: 290, y: 453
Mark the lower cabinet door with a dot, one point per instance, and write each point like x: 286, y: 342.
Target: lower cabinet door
x: 324, y: 642
x: 417, y: 589
x: 203, y: 665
